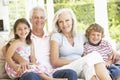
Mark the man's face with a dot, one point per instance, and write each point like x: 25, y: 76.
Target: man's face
x: 38, y: 19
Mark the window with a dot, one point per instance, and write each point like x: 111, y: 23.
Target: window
x: 1, y: 25
x: 114, y: 19
x: 84, y: 10
x: 16, y: 10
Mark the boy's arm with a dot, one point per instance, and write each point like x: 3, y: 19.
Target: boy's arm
x: 116, y: 56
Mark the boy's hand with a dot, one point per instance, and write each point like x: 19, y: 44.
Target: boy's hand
x: 108, y: 63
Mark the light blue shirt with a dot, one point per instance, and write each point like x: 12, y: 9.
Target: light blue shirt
x: 66, y: 50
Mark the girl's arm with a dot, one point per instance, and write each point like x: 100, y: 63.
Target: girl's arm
x: 4, y: 50
x: 9, y: 54
x: 24, y: 64
x: 54, y: 55
x: 32, y: 56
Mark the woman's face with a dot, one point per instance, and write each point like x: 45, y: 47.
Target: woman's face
x: 65, y: 22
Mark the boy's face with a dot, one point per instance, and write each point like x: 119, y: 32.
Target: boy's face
x: 95, y: 37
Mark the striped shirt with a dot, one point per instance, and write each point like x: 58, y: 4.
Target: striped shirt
x: 104, y: 48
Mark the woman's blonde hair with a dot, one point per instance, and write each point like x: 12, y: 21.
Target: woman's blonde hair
x: 55, y: 25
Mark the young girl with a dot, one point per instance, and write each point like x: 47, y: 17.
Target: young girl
x: 95, y: 33
x: 22, y: 45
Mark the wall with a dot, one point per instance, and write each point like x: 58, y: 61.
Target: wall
x: 4, y: 14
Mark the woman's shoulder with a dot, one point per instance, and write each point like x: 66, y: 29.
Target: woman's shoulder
x: 80, y: 35
x: 56, y: 35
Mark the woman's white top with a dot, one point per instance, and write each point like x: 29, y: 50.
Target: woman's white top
x: 66, y: 50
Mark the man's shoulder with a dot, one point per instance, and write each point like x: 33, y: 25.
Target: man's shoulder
x: 46, y: 35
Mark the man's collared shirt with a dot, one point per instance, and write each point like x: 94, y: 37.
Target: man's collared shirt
x: 42, y: 49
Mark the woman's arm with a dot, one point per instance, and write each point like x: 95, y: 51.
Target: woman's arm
x: 54, y: 55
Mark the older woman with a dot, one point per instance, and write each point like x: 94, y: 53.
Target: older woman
x: 67, y: 48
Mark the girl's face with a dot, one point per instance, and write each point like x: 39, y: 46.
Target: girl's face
x: 95, y: 37
x: 65, y: 22
x: 22, y: 30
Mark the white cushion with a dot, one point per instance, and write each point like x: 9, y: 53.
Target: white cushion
x: 3, y: 74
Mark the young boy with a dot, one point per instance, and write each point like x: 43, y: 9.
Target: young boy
x: 95, y: 34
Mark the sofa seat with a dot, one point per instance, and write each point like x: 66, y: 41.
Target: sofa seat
x: 3, y: 75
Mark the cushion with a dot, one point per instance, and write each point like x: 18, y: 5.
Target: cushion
x: 3, y: 74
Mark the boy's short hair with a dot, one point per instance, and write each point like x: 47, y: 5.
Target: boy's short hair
x: 94, y: 27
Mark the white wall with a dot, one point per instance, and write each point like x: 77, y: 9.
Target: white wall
x: 4, y: 14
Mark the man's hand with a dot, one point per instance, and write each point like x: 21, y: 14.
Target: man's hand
x: 24, y: 64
